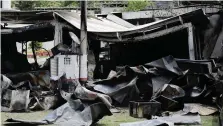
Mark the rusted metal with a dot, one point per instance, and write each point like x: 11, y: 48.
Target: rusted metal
x: 19, y: 100
x: 144, y: 109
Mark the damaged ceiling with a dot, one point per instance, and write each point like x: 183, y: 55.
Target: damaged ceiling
x: 106, y: 29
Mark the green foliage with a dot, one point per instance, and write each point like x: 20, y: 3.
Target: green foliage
x: 29, y: 5
x: 24, y: 5
x: 137, y: 5
x: 37, y: 45
x: 70, y: 4
x: 57, y: 3
x: 93, y: 3
x: 50, y: 3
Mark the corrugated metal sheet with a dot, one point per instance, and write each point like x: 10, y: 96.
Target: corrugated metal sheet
x: 94, y: 24
x: 9, y: 25
x: 106, y: 28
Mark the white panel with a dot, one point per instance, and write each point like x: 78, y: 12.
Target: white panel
x: 6, y: 4
x: 191, y: 43
x: 61, y: 65
x: 58, y: 34
x: 54, y: 66
x: 83, y: 65
x: 71, y: 67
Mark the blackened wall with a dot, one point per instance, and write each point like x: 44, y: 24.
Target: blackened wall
x: 175, y: 44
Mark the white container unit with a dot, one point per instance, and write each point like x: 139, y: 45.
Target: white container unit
x: 68, y: 64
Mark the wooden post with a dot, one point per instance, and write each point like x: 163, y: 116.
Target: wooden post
x: 34, y: 54
x: 191, y: 43
x: 58, y: 33
x: 83, y: 44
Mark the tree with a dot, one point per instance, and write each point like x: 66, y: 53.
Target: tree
x: 137, y: 5
x: 24, y: 5
x: 70, y: 4
x: 37, y: 45
x: 29, y: 5
x: 50, y: 3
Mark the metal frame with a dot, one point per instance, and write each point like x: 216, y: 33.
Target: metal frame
x: 169, y: 12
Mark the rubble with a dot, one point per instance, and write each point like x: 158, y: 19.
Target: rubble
x: 199, y: 108
x: 73, y: 113
x: 148, y: 89
x: 171, y: 93
x: 83, y: 107
x: 141, y: 109
x: 19, y: 100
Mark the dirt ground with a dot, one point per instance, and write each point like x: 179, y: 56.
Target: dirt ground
x: 113, y: 120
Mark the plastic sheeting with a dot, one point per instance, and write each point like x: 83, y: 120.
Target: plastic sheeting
x: 199, y: 108
x: 83, y: 107
x: 131, y: 82
x: 73, y: 113
x: 185, y: 119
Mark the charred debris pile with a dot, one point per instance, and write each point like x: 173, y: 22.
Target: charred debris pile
x: 165, y: 91
x: 184, y: 89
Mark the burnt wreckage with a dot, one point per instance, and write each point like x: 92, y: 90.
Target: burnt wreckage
x: 174, y: 64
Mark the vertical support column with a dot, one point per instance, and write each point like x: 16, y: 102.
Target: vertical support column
x: 83, y: 44
x: 58, y: 33
x: 24, y: 47
x: 96, y: 47
x: 191, y: 42
x: 34, y: 54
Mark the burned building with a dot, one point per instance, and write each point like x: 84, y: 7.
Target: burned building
x: 186, y: 36
x: 167, y: 63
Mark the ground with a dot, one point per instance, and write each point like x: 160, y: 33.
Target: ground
x: 113, y: 120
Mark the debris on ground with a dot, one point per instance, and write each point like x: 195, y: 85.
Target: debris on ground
x: 149, y: 89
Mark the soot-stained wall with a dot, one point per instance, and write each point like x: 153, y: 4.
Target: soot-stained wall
x: 175, y: 44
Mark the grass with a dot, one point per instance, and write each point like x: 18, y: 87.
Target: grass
x: 123, y: 117
x: 113, y: 120
x: 117, y: 118
x: 210, y: 120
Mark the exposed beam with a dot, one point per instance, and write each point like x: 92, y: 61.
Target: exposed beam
x: 25, y: 17
x: 148, y: 36
x: 187, y: 26
x: 170, y: 12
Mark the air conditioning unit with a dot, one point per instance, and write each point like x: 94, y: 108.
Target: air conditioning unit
x: 68, y: 64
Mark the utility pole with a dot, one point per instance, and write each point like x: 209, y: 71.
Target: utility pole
x: 83, y: 43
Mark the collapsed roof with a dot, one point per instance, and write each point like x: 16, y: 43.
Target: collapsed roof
x: 109, y: 29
